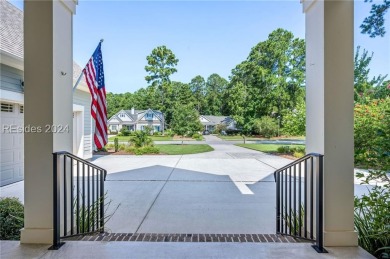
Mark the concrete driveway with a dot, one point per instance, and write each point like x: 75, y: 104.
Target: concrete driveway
x: 229, y: 190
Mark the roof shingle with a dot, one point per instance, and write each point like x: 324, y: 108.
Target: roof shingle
x: 11, y: 29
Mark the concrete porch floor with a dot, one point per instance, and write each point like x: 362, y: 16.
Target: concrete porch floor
x: 85, y: 249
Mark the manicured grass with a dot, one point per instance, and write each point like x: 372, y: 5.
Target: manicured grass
x: 258, y: 138
x: 267, y: 148
x: 154, y: 138
x: 178, y: 149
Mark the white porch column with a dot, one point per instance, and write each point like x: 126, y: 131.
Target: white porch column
x: 329, y: 96
x: 48, y: 77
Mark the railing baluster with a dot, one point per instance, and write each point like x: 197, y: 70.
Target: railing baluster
x: 285, y: 201
x: 305, y: 200
x: 277, y: 203
x: 295, y: 201
x: 281, y: 201
x: 71, y: 197
x: 65, y: 200
x: 299, y: 201
x: 93, y: 197
x: 78, y: 199
x: 88, y: 200
x: 311, y: 197
x: 289, y: 204
x: 102, y: 202
x: 97, y: 198
x: 83, y: 197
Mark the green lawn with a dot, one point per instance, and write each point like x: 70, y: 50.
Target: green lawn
x: 258, y: 138
x: 178, y: 149
x: 154, y: 138
x: 267, y: 148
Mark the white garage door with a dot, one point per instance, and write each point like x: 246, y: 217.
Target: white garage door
x: 11, y: 146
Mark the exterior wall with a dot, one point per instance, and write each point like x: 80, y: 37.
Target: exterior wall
x: 84, y: 99
x: 10, y: 79
x: 151, y: 124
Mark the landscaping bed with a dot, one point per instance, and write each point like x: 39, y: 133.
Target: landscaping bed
x: 288, y: 151
x: 238, y: 137
x: 165, y: 149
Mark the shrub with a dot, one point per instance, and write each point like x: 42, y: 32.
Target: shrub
x: 122, y: 147
x: 294, y: 121
x: 141, y: 139
x: 124, y: 132
x: 11, y: 218
x: 116, y: 144
x: 372, y: 133
x: 110, y: 146
x: 283, y: 149
x: 372, y: 150
x: 142, y: 150
x: 197, y: 136
x: 265, y: 126
x: 219, y: 128
x: 169, y: 132
x: 298, y: 154
x: 372, y: 217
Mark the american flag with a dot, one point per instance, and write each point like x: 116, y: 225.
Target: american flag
x: 94, y: 76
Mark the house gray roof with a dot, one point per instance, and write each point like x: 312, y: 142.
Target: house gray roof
x: 134, y: 116
x: 77, y: 70
x: 11, y: 29
x: 214, y: 120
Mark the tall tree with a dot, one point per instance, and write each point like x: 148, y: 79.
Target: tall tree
x: 374, y: 24
x: 197, y: 86
x: 161, y: 65
x: 215, y: 88
x: 272, y: 77
x: 363, y: 84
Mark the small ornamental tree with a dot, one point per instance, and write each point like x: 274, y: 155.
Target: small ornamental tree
x: 372, y: 134
x: 185, y: 120
x: 294, y: 121
x: 265, y: 126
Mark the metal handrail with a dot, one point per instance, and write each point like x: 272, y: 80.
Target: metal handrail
x: 289, y: 192
x: 83, y: 197
x: 299, y: 160
x: 82, y: 161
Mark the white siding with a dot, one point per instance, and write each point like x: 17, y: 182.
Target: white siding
x: 10, y: 79
x: 84, y: 99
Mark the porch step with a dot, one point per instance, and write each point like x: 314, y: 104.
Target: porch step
x: 153, y: 237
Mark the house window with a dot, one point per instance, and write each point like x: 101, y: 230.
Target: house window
x: 122, y: 115
x: 113, y: 127
x: 149, y: 116
x: 7, y: 107
x: 142, y: 127
x: 21, y: 108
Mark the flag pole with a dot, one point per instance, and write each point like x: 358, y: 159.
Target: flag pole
x: 81, y: 75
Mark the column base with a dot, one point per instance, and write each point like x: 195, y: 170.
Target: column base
x: 340, y: 238
x: 36, y: 236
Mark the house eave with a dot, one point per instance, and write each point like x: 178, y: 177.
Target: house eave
x: 11, y: 60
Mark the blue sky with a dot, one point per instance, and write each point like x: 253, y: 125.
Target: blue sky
x: 206, y: 36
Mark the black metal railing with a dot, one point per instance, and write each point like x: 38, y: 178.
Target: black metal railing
x: 78, y: 197
x: 300, y: 201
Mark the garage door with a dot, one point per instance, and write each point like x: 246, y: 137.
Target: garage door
x: 11, y: 146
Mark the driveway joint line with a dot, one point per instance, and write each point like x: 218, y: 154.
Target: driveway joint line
x: 266, y: 163
x: 155, y: 199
